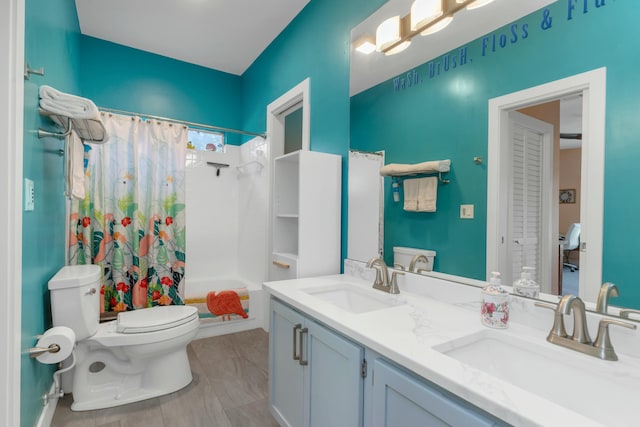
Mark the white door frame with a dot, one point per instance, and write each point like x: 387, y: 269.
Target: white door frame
x: 275, y: 117
x: 592, y: 85
x: 11, y: 143
x: 547, y: 224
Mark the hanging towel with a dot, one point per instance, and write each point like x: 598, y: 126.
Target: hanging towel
x: 75, y: 167
x: 82, y: 111
x: 420, y: 194
x: 399, y: 169
x: 220, y: 306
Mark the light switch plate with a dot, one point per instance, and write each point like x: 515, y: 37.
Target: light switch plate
x: 29, y: 195
x: 466, y: 211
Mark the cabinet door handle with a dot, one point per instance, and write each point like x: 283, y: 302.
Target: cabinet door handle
x: 302, y: 361
x: 280, y: 264
x: 296, y: 328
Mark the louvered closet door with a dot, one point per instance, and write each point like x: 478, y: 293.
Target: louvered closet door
x: 526, y: 199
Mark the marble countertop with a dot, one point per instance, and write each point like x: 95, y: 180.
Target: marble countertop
x: 408, y: 332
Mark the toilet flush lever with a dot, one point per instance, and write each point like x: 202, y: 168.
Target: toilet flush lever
x: 91, y: 291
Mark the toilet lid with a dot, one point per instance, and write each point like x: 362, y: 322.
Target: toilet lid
x: 154, y: 319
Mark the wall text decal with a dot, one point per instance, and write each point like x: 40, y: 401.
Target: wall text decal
x: 493, y: 42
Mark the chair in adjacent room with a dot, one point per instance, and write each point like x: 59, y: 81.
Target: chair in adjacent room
x: 571, y: 244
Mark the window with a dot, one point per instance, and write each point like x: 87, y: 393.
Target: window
x: 203, y: 140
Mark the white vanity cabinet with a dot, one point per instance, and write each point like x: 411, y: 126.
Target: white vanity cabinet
x: 316, y: 379
x: 400, y: 399
x: 314, y: 374
x: 306, y: 215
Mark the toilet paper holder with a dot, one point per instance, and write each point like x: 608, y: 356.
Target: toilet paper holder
x: 37, y: 351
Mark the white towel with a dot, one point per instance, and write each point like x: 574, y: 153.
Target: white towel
x: 75, y: 167
x: 399, y: 169
x: 68, y: 105
x: 83, y: 112
x: 420, y: 194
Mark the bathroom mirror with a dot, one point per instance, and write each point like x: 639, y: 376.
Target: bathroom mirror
x: 437, y: 107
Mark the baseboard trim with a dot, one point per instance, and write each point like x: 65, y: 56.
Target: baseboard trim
x: 46, y: 416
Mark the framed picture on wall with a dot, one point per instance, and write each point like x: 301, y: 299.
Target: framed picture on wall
x: 568, y: 195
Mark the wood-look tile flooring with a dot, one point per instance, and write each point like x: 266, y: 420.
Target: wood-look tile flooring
x: 229, y: 389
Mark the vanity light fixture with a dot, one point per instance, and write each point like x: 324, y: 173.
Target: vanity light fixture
x: 365, y: 44
x: 441, y: 24
x: 423, y: 12
x: 391, y: 35
x: 475, y: 4
x: 426, y: 17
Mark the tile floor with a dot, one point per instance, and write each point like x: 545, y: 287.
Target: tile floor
x: 229, y: 389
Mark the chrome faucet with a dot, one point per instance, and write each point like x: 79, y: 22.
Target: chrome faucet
x: 571, y: 303
x: 382, y: 282
x: 580, y: 339
x: 607, y: 290
x: 415, y: 260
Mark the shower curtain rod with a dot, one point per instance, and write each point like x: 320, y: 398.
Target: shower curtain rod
x: 182, y: 122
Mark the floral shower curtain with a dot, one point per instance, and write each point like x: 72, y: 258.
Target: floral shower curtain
x: 132, y: 220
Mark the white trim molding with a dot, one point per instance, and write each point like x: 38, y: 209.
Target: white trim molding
x: 275, y: 117
x: 49, y: 409
x: 11, y: 136
x: 592, y: 85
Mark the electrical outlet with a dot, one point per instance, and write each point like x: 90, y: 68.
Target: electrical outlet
x: 29, y: 195
x: 466, y: 211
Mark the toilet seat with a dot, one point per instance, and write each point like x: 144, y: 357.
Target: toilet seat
x: 184, y: 320
x: 154, y: 319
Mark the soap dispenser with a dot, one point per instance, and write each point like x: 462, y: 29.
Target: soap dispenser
x: 526, y: 285
x: 495, y: 303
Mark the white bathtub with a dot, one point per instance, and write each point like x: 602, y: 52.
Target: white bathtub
x: 256, y: 305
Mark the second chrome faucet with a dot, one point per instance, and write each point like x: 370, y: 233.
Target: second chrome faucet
x: 382, y: 281
x: 580, y: 339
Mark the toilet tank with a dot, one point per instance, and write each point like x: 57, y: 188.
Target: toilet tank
x: 75, y: 299
x: 403, y: 256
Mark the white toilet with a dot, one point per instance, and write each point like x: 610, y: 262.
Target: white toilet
x: 142, y: 354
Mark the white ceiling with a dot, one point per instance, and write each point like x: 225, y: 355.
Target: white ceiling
x: 226, y: 35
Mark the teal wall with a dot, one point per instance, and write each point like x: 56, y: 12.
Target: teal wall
x: 116, y: 76
x: 316, y: 45
x: 112, y: 76
x: 51, y: 41
x: 445, y: 116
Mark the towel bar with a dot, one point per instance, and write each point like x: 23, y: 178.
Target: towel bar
x: 280, y: 264
x: 84, y: 132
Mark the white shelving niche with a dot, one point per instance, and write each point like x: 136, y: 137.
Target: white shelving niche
x: 306, y: 215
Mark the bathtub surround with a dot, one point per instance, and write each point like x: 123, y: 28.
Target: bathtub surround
x: 228, y: 224
x: 228, y: 214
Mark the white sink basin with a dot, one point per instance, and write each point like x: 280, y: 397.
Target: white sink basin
x: 604, y: 391
x: 353, y: 299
